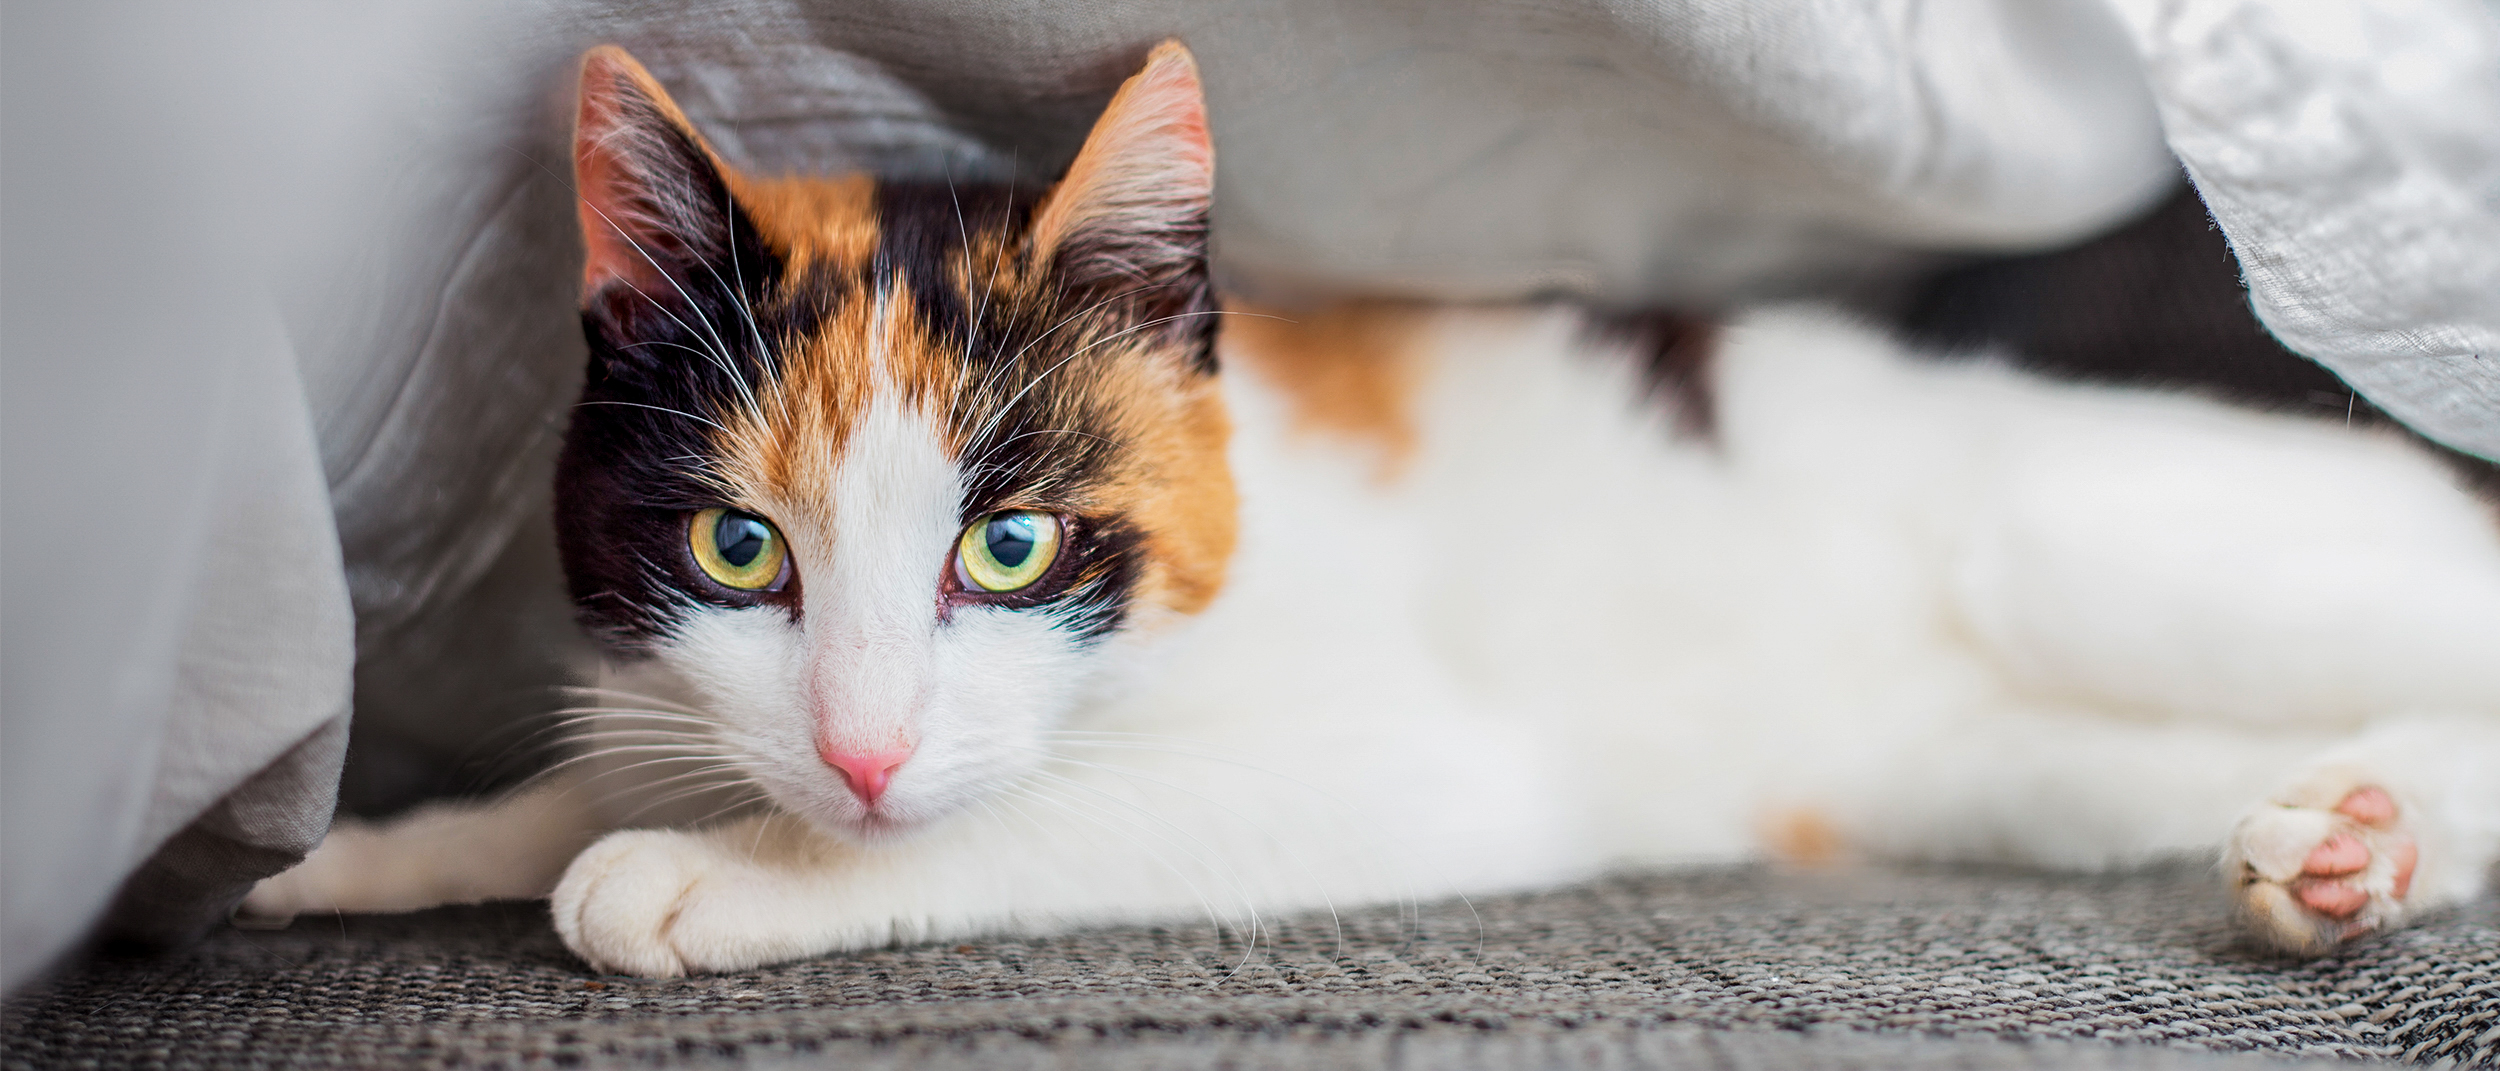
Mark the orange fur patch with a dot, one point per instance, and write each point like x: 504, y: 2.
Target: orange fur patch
x: 1178, y: 486
x: 810, y: 221
x: 794, y: 437
x: 1350, y: 370
x: 1802, y: 836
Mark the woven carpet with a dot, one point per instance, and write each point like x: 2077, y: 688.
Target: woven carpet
x: 1716, y: 968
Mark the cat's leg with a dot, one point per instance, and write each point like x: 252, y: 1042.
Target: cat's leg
x: 2321, y: 842
x: 1068, y: 848
x: 449, y: 852
x: 2228, y: 573
x: 2069, y: 790
x: 2403, y: 819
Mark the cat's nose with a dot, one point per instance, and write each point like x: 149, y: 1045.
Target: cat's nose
x: 867, y: 773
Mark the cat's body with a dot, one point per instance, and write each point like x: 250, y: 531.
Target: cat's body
x: 1488, y: 615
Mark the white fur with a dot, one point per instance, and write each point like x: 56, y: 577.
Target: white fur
x: 1958, y: 613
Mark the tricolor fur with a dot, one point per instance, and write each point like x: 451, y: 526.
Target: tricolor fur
x: 1390, y: 600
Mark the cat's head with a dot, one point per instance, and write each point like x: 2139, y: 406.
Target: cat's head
x: 890, y: 473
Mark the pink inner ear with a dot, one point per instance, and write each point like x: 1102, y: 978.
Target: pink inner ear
x: 1146, y: 165
x: 611, y: 205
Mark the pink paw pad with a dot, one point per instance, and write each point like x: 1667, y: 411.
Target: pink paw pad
x: 2369, y: 805
x: 2322, y: 887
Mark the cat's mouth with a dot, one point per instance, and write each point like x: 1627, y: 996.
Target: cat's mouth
x: 876, y: 824
x: 883, y: 822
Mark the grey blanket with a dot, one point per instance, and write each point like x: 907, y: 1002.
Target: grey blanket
x: 1721, y: 968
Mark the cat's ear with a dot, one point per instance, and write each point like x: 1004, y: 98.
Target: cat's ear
x: 653, y: 202
x: 1132, y: 210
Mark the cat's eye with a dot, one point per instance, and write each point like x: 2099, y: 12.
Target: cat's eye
x: 1008, y: 550
x: 741, y: 550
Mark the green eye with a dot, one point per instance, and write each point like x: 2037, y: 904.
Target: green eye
x: 1008, y: 551
x: 741, y: 550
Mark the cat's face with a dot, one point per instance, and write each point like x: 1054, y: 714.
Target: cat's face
x: 889, y: 473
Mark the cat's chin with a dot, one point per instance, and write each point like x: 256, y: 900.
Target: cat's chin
x: 871, y: 830
x: 868, y: 829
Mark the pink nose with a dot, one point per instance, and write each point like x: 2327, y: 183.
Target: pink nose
x: 868, y: 773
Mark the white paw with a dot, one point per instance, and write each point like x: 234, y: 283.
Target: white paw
x: 663, y: 903
x: 2334, y: 862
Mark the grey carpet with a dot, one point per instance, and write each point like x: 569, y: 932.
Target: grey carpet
x: 1720, y: 969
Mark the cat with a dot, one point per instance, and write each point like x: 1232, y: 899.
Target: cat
x: 966, y: 567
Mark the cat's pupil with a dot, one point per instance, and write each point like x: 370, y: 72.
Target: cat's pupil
x: 740, y: 538
x: 1010, y: 539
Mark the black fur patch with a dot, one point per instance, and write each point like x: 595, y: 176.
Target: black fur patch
x: 1676, y: 353
x: 923, y: 229
x: 663, y: 368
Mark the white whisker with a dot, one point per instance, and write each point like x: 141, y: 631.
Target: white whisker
x: 720, y: 348
x: 1035, y: 794
x: 1240, y: 889
x: 634, y: 696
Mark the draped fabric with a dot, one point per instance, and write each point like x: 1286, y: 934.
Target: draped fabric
x: 289, y: 337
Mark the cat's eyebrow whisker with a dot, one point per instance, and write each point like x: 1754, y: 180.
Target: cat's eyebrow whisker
x: 1072, y: 317
x: 737, y: 298
x: 1002, y: 443
x: 720, y: 346
x: 718, y: 357
x: 980, y: 311
x: 1001, y: 367
x: 989, y: 291
x: 705, y: 354
x: 658, y: 408
x: 763, y: 351
x: 1089, y: 347
x: 963, y: 239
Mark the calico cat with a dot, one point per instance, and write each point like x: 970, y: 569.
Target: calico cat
x: 964, y: 569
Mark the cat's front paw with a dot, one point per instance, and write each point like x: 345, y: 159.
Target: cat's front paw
x: 664, y: 903
x: 2334, y: 863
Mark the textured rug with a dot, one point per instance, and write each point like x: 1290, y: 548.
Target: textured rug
x: 1719, y: 968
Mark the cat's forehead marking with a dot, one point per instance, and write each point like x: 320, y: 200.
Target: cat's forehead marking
x: 886, y: 292
x: 871, y: 350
